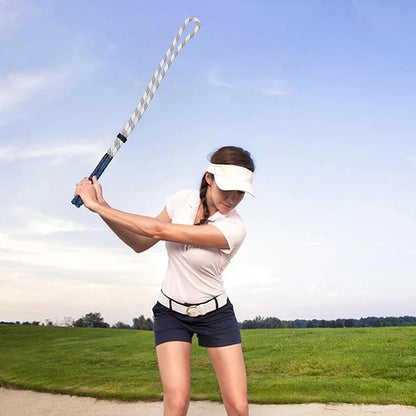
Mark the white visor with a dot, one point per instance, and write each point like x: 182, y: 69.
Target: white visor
x: 232, y: 177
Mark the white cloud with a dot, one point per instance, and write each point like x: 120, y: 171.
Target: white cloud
x: 42, y: 279
x: 57, y: 152
x: 44, y: 275
x: 41, y: 224
x: 50, y: 254
x: 214, y: 78
x: 27, y: 298
x: 33, y: 223
x: 18, y: 88
x: 273, y: 91
x: 271, y: 87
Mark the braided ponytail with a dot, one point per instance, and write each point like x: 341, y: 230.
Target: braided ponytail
x: 203, y: 197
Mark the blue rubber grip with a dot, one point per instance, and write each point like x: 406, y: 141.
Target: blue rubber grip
x: 97, y: 172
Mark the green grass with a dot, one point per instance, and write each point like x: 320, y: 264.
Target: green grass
x: 354, y: 365
x: 363, y: 365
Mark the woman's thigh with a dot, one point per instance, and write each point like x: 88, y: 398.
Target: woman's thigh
x: 174, y: 359
x: 230, y: 369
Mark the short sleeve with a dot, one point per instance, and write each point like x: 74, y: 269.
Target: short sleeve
x: 233, y: 230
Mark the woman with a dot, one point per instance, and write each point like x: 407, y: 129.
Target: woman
x: 202, y: 231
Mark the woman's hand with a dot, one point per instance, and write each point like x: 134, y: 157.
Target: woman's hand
x: 91, y: 193
x: 98, y: 190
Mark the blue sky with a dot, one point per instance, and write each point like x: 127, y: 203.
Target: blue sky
x: 321, y: 93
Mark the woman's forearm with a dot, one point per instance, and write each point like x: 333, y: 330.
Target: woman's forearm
x: 133, y: 223
x: 137, y: 231
x: 137, y: 242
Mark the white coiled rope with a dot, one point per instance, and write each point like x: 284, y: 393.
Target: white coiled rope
x: 154, y: 83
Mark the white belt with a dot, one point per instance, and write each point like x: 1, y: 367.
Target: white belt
x: 193, y: 310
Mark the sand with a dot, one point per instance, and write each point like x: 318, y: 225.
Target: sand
x: 28, y: 403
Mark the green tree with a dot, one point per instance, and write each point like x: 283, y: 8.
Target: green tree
x: 142, y: 323
x: 121, y: 325
x: 92, y: 320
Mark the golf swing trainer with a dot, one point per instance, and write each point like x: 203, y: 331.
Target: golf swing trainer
x: 154, y: 83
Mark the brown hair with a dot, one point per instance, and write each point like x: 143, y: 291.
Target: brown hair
x: 227, y: 155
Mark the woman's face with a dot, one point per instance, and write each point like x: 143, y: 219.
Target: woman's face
x: 222, y: 201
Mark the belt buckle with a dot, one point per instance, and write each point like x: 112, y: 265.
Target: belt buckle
x: 191, y: 311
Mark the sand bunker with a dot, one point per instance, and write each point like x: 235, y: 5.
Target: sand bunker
x: 28, y: 403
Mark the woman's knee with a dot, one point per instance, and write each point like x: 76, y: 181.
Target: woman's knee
x: 237, y: 408
x: 176, y: 403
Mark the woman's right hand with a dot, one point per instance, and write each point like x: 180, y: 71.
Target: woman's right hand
x: 90, y: 193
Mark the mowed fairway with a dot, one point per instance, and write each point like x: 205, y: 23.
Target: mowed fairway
x: 349, y: 365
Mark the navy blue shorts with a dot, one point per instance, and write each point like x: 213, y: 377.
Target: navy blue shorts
x: 218, y: 328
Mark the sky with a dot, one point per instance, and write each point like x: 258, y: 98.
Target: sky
x: 321, y: 93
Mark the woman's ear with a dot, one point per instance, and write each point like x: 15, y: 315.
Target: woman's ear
x: 209, y: 178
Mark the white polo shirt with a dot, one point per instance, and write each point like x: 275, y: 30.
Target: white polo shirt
x: 194, y: 273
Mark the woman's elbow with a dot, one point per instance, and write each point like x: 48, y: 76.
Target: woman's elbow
x: 144, y: 245
x: 139, y: 250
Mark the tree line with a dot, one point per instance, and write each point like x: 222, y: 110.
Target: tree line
x: 95, y: 320
x: 371, y: 321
